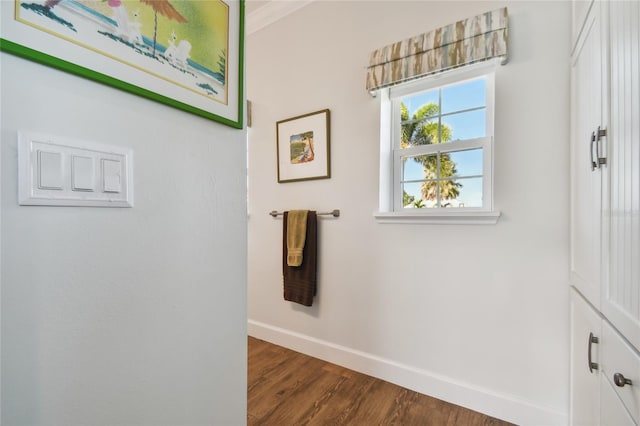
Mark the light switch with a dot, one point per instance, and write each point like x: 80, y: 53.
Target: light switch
x: 82, y: 173
x: 111, y: 176
x: 49, y: 170
x: 60, y: 171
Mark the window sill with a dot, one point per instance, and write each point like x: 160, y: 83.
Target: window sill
x: 448, y: 218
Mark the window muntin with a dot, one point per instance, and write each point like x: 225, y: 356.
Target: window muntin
x: 442, y: 145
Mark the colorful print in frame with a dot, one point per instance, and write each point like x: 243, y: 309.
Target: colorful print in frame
x: 303, y: 147
x: 185, y: 53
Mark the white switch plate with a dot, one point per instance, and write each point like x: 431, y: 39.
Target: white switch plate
x: 82, y: 173
x: 49, y: 171
x: 111, y: 175
x: 58, y: 171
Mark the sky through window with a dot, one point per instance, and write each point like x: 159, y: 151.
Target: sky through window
x: 462, y: 109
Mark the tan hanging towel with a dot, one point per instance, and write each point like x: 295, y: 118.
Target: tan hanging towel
x: 296, y: 234
x: 300, y: 281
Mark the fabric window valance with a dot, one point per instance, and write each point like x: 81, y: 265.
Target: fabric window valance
x: 471, y: 40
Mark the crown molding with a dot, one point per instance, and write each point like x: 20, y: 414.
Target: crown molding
x: 272, y: 12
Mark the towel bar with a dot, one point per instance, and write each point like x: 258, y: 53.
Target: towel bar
x: 334, y: 213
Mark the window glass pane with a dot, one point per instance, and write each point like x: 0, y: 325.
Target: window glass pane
x: 449, y: 191
x: 467, y: 163
x: 454, y: 193
x: 452, y: 179
x: 421, y: 132
x: 415, y: 102
x: 412, y: 195
x: 471, y: 94
x: 466, y: 125
x: 468, y: 193
x: 419, y: 167
x: 419, y: 119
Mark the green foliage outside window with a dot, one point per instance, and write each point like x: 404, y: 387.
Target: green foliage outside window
x: 423, y: 129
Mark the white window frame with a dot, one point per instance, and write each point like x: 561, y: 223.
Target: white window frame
x: 391, y: 209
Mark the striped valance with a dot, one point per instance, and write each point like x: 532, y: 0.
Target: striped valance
x: 471, y: 40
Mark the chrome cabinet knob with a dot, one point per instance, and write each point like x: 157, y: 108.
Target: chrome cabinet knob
x: 620, y: 380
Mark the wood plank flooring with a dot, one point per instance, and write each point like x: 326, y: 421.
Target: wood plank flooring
x: 289, y: 388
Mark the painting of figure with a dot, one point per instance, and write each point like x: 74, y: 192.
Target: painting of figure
x: 301, y: 148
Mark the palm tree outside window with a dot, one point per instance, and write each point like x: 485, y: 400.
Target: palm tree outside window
x: 440, y: 153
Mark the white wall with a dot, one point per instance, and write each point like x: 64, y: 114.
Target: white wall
x: 124, y: 316
x: 473, y: 314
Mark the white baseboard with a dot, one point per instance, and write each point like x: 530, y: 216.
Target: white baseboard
x: 482, y: 400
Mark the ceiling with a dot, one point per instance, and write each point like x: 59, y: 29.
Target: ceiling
x: 260, y: 13
x: 251, y: 5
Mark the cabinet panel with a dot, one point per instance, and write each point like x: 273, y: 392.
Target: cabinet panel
x: 585, y: 400
x: 619, y: 358
x: 605, y: 211
x: 621, y: 296
x: 586, y: 116
x: 613, y: 412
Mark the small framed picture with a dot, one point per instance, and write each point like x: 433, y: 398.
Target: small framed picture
x: 303, y: 147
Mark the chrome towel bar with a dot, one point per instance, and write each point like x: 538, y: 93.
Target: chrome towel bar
x: 334, y: 213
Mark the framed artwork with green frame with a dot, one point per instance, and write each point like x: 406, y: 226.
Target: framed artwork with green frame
x: 187, y: 54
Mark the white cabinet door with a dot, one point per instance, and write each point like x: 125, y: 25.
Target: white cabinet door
x: 587, y: 114
x: 620, y: 365
x: 613, y: 411
x: 621, y: 291
x: 585, y: 335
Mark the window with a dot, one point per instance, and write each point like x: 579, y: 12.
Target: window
x: 437, y: 149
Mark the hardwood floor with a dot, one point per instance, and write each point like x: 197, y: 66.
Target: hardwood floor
x: 289, y: 388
